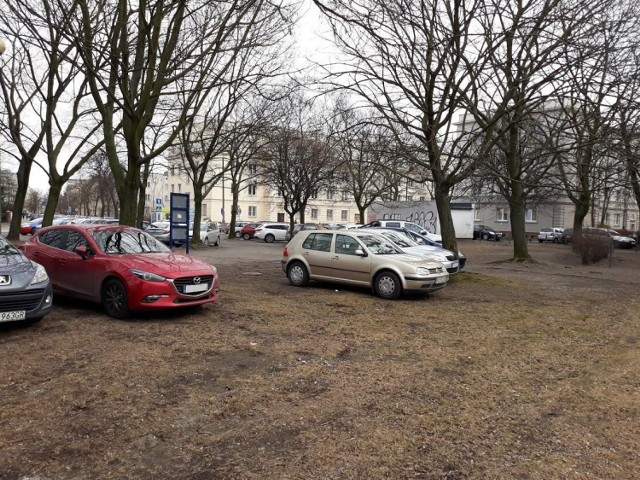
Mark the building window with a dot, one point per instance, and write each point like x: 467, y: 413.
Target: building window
x: 173, y: 188
x: 616, y: 220
x: 253, y: 211
x: 253, y: 169
x: 530, y: 215
x: 204, y: 210
x: 344, y: 215
x: 252, y: 189
x: 314, y: 213
x: 329, y: 215
x: 314, y: 194
x: 147, y: 197
x: 476, y: 214
x: 422, y: 198
x: 179, y: 188
x: 330, y: 194
x: 502, y: 215
x: 345, y: 195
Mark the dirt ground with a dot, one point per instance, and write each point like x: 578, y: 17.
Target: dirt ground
x: 511, y: 372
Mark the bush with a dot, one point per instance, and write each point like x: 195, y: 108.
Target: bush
x: 592, y: 247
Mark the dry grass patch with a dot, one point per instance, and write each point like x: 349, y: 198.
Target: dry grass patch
x: 489, y: 378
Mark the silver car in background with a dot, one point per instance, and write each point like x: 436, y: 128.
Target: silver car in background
x: 361, y: 258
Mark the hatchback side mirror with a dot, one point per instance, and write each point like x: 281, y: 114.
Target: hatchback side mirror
x: 360, y: 252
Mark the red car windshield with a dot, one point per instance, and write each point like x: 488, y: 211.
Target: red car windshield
x: 127, y: 241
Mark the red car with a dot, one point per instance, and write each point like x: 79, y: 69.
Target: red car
x: 121, y: 267
x: 31, y: 227
x: 249, y: 230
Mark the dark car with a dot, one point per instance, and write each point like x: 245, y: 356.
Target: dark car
x: 566, y: 236
x: 484, y: 232
x: 123, y: 268
x: 25, y: 290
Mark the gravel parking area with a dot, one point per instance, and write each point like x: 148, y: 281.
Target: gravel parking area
x: 512, y: 371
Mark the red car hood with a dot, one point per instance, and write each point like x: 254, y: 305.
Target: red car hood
x: 166, y: 264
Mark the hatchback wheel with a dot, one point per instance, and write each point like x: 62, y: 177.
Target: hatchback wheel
x: 297, y: 274
x: 237, y: 234
x: 217, y: 242
x: 387, y: 285
x: 115, y: 298
x: 246, y: 236
x: 485, y: 236
x: 269, y: 238
x: 206, y: 241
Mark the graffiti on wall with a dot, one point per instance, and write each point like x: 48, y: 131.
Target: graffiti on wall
x: 424, y: 214
x: 427, y: 219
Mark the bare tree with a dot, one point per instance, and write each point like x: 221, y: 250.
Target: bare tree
x: 407, y: 61
x: 587, y: 110
x: 137, y: 55
x: 298, y: 161
x: 524, y: 44
x: 205, y: 138
x: 247, y: 138
x: 367, y: 157
x: 46, y: 109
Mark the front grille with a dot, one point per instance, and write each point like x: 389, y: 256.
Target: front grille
x: 29, y: 300
x: 181, y: 283
x: 435, y: 270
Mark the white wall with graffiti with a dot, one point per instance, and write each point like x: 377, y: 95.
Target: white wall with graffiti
x: 424, y: 213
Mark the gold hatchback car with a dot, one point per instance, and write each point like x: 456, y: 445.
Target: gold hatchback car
x: 359, y: 258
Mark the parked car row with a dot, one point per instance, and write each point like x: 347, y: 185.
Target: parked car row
x: 360, y: 257
x: 32, y: 226
x: 123, y: 268
x: 210, y: 233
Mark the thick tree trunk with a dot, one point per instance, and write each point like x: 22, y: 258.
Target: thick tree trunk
x: 22, y: 176
x: 518, y: 224
x: 235, y: 196
x: 55, y: 187
x: 581, y: 211
x: 443, y: 204
x: 197, y: 214
x: 517, y: 198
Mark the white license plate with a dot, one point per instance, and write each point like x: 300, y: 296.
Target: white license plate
x: 440, y: 280
x: 196, y: 288
x: 12, y: 316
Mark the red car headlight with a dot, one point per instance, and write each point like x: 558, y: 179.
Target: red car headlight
x: 148, y: 276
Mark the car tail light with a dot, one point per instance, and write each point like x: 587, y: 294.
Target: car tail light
x: 285, y: 252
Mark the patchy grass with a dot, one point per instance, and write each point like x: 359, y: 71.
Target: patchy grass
x: 492, y: 377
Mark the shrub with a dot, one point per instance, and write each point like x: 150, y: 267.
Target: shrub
x: 592, y: 247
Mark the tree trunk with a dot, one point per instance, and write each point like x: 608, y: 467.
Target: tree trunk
x: 361, y: 212
x: 55, y: 187
x: 518, y: 224
x: 197, y: 214
x: 235, y: 195
x: 443, y: 204
x: 22, y: 176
